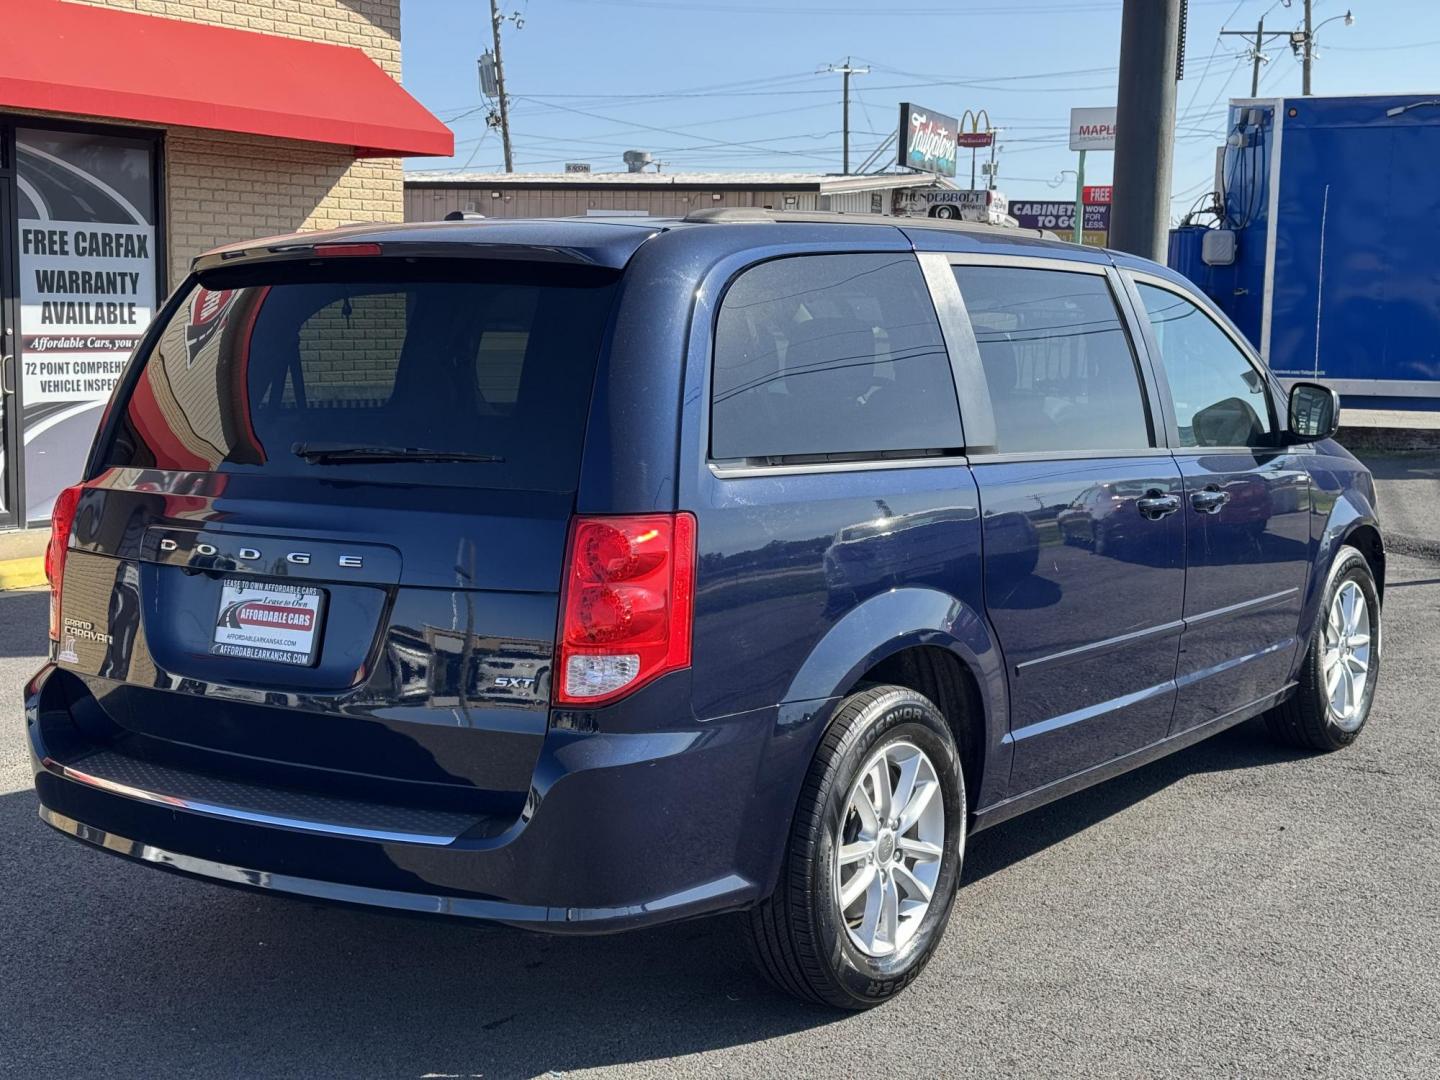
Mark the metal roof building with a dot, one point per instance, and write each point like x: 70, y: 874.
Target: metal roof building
x: 431, y: 196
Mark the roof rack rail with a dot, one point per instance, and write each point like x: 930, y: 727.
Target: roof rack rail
x: 732, y: 214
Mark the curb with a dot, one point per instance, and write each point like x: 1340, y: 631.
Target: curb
x: 22, y: 573
x: 1388, y: 438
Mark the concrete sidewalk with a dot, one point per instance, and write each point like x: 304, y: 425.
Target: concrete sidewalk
x: 22, y: 558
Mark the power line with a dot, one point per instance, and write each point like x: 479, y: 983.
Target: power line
x: 1204, y: 74
x: 1043, y: 7
x: 662, y: 130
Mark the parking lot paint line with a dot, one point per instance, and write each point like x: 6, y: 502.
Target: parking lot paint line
x: 22, y: 573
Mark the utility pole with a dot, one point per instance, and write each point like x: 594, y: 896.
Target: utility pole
x: 1145, y: 127
x: 495, y: 20
x: 1309, y: 55
x: 1257, y: 54
x: 845, y: 70
x: 1257, y: 59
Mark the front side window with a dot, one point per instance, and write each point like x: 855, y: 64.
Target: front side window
x: 829, y: 356
x: 1220, y: 398
x: 1058, y: 363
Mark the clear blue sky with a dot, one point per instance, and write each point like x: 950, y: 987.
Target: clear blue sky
x: 732, y: 84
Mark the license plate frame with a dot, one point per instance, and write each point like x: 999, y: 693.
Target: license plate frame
x: 269, y: 621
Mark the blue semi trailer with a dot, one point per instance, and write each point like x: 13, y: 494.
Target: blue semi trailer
x: 1322, y: 241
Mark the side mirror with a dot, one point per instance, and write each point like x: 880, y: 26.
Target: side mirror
x: 1314, y: 412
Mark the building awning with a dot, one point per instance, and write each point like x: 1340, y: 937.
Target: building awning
x: 100, y: 62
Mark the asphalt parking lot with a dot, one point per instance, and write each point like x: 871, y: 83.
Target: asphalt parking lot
x: 1233, y: 910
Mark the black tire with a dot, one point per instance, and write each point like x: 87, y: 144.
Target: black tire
x: 796, y: 936
x: 1306, y: 720
x: 946, y: 213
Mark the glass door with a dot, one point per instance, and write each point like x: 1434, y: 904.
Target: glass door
x: 85, y: 266
x: 9, y: 335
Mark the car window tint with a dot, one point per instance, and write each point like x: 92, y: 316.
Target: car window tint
x: 492, y: 359
x: 1220, y: 399
x: 831, y: 355
x: 1058, y: 363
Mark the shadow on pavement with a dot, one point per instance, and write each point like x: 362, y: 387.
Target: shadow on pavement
x: 1242, y: 747
x: 147, y: 974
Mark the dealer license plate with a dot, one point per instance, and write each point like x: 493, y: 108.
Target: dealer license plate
x: 262, y: 620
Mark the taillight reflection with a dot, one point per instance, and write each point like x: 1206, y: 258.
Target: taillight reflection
x: 62, y: 521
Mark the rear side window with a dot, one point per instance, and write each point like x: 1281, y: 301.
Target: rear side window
x: 1058, y: 363
x: 491, y: 359
x: 829, y: 357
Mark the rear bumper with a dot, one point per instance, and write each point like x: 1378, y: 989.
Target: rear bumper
x: 622, y: 828
x: 717, y: 895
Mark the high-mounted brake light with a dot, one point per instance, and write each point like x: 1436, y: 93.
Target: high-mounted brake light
x: 62, y: 521
x: 329, y: 251
x: 626, y: 605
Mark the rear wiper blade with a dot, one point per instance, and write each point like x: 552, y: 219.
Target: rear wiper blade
x: 360, y: 453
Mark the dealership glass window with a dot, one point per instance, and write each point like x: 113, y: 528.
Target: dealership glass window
x: 1058, y: 364
x: 1220, y: 398
x: 830, y: 356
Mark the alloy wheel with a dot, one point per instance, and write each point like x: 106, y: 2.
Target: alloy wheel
x: 888, y: 859
x: 1347, y: 655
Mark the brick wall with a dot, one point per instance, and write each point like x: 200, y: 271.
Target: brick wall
x: 224, y: 187
x: 349, y: 357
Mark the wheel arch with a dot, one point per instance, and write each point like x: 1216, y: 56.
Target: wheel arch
x: 933, y: 643
x: 1351, y: 522
x: 1365, y: 537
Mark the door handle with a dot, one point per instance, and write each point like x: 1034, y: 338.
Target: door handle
x: 7, y: 374
x: 1209, y: 501
x: 1156, y: 504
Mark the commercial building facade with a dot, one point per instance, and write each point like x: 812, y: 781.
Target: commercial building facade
x: 135, y: 134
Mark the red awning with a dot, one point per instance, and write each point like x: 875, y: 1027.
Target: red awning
x: 89, y: 61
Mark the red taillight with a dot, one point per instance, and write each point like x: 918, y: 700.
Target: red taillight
x: 626, y: 605
x: 62, y: 519
x: 328, y: 251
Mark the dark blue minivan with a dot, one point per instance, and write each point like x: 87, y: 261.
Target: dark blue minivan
x: 582, y: 575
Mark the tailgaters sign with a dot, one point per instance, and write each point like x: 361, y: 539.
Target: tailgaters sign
x: 927, y: 139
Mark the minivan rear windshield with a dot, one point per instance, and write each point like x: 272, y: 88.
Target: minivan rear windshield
x: 449, y: 371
